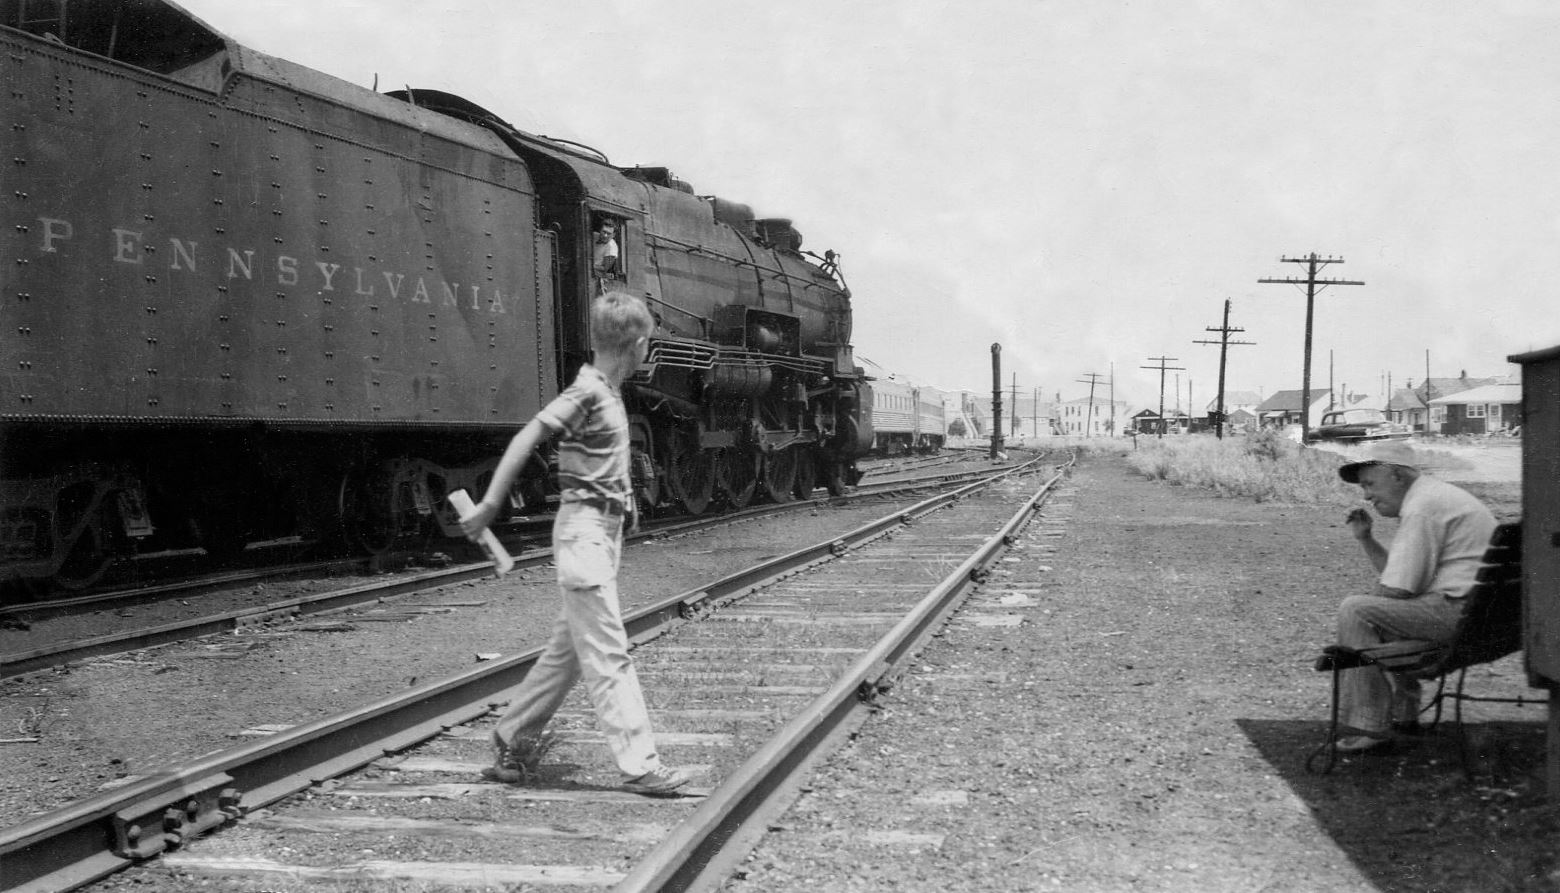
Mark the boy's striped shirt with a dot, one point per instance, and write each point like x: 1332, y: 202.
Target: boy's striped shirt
x: 593, y: 455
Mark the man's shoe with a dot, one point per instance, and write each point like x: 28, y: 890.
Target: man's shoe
x: 513, y: 763
x: 1362, y: 744
x: 1407, y: 727
x: 660, y: 783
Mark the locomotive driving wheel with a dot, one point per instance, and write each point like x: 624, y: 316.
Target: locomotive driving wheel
x: 780, y: 474
x: 736, y: 473
x: 692, y: 475
x: 806, y: 474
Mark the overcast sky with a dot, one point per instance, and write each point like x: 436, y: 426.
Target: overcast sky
x: 1083, y: 181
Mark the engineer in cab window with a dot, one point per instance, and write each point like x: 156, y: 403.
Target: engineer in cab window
x: 604, y: 247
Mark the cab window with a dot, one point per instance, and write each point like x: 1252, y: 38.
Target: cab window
x: 606, y: 246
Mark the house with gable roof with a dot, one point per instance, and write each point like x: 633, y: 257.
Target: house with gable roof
x: 1240, y: 409
x: 1283, y: 408
x: 1482, y: 410
x: 1415, y: 406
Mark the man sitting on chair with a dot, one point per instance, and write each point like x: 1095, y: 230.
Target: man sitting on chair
x: 1431, y: 565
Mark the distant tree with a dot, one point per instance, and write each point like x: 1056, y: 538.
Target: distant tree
x: 956, y: 428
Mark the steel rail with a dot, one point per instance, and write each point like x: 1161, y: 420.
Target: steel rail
x: 707, y: 846
x: 91, y: 838
x: 149, y: 637
x: 45, y: 608
x: 43, y: 658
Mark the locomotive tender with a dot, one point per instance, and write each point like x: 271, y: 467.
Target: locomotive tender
x: 244, y: 300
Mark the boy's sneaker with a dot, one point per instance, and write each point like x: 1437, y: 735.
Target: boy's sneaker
x: 660, y: 783
x: 513, y: 764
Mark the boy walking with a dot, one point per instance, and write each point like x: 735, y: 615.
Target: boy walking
x: 588, y: 638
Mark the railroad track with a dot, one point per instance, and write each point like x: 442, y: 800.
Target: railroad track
x: 170, y: 576
x: 335, y: 598
x: 762, y: 667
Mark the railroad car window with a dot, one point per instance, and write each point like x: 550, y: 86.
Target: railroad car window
x: 148, y: 34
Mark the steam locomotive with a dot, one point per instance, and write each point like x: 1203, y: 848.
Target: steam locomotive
x: 244, y: 300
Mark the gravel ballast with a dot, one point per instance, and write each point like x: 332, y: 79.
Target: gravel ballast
x: 1127, y: 704
x: 1144, y: 726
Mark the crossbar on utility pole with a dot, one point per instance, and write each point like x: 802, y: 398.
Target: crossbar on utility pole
x: 1162, y: 367
x: 1313, y: 262
x: 1224, y: 343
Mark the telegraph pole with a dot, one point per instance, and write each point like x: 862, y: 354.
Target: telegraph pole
x: 1013, y: 408
x: 1113, y: 431
x: 996, y: 400
x: 1162, y: 367
x: 1332, y: 393
x: 1090, y: 379
x: 1313, y: 263
x: 1224, y: 343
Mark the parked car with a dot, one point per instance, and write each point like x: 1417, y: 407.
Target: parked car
x: 1356, y: 425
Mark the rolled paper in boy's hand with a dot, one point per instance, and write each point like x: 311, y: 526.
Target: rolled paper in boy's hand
x: 502, y: 562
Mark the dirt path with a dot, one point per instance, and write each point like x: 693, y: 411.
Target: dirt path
x: 1145, y: 727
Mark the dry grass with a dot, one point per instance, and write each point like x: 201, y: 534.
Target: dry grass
x: 1264, y: 467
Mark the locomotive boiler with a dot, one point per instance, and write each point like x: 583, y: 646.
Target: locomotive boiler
x: 244, y: 300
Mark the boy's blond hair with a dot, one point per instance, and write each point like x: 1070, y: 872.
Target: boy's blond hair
x: 617, y: 320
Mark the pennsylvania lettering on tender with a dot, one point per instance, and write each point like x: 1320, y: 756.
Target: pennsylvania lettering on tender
x: 129, y: 247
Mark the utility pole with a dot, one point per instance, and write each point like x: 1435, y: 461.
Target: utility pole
x: 1013, y: 408
x: 1224, y: 343
x: 1090, y: 379
x: 1312, y: 285
x: 996, y: 400
x: 1331, y: 393
x: 1162, y: 367
x: 1113, y: 431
